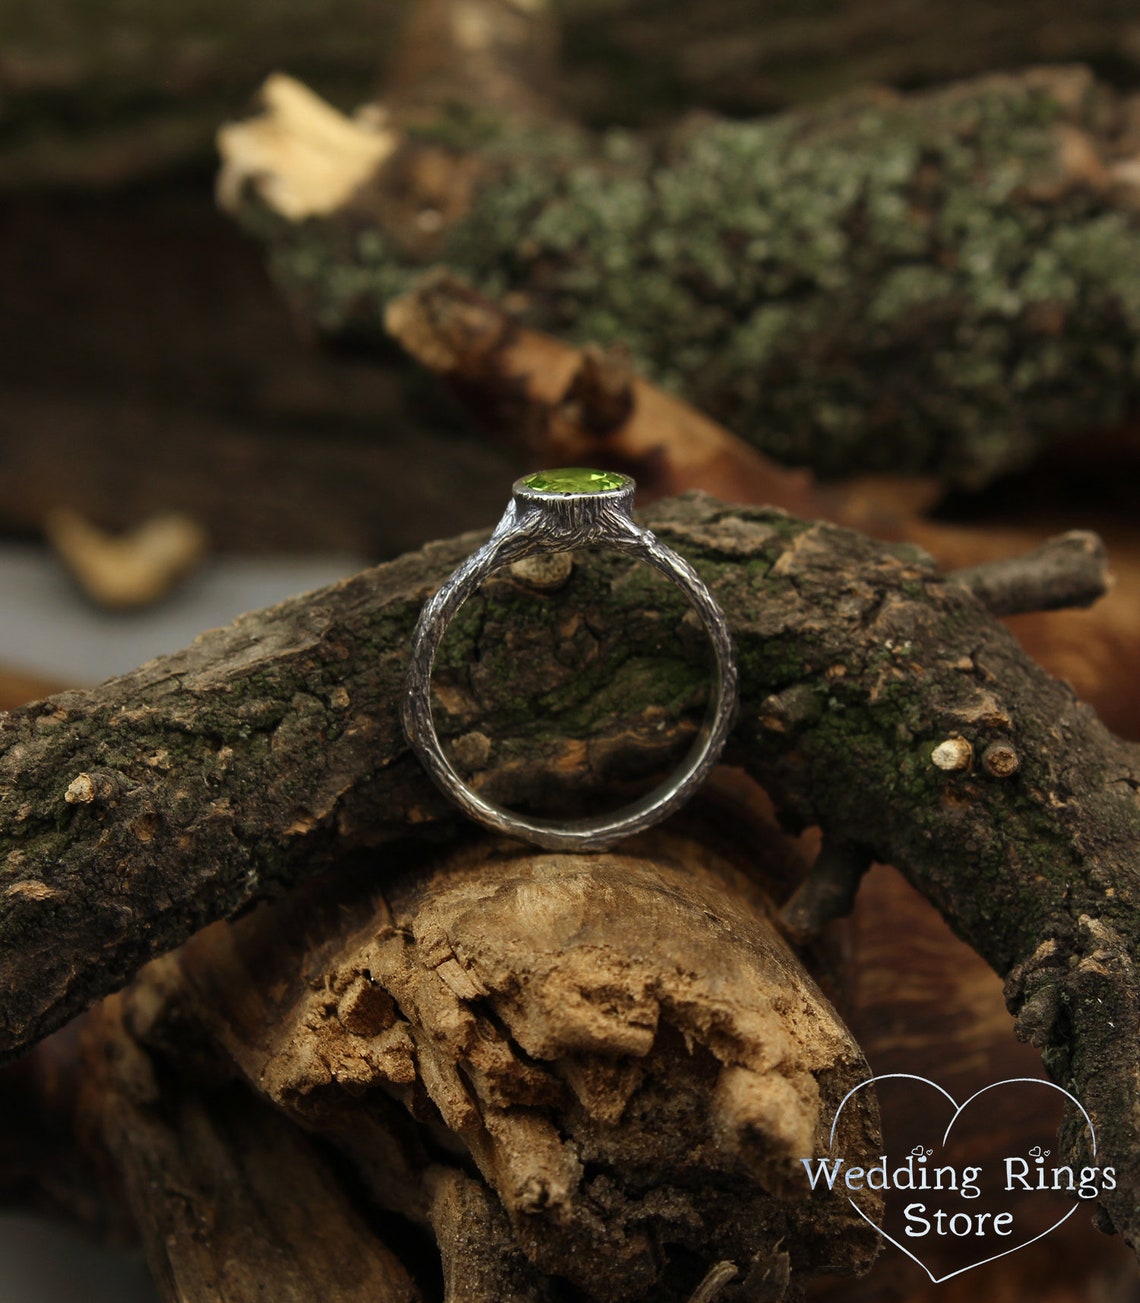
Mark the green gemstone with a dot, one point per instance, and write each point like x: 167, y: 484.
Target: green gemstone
x: 575, y: 479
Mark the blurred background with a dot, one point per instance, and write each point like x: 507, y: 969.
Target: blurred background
x: 177, y: 445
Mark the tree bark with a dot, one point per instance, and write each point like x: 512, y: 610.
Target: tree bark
x: 134, y: 814
x: 936, y: 282
x: 229, y: 1200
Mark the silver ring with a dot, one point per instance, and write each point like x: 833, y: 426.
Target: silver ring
x: 556, y: 511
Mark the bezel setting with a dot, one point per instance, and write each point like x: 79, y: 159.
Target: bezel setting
x: 584, y: 481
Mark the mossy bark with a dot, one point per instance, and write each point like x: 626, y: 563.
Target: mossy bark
x: 941, y: 282
x: 136, y: 813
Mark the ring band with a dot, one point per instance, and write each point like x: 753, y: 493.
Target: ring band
x: 557, y: 511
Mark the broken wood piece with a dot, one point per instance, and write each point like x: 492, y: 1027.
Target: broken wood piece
x: 129, y: 570
x: 947, y: 1016
x: 555, y: 404
x: 305, y: 157
x: 621, y: 1044
x: 229, y: 1199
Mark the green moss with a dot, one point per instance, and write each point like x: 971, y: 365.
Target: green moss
x: 638, y: 684
x: 460, y: 642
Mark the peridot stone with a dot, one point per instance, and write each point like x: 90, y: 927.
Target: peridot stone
x: 574, y: 479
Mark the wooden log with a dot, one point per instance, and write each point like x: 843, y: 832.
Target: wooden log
x: 620, y: 1046
x: 134, y: 814
x: 935, y: 282
x: 239, y: 987
x: 230, y: 1201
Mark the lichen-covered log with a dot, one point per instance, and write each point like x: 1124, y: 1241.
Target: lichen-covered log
x: 880, y: 701
x: 939, y: 282
x: 621, y: 1048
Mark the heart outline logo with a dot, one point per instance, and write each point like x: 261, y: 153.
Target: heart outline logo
x: 958, y: 1110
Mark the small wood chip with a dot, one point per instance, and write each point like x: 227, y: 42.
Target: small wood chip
x: 127, y: 571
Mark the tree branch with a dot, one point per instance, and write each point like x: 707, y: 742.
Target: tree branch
x: 269, y: 748
x: 1064, y: 572
x: 941, y: 282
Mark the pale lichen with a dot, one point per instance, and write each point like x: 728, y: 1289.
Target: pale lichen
x: 893, y: 283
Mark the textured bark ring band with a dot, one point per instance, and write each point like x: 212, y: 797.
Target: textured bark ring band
x: 556, y: 511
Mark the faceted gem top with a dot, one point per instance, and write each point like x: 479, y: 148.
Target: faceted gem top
x: 575, y: 479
